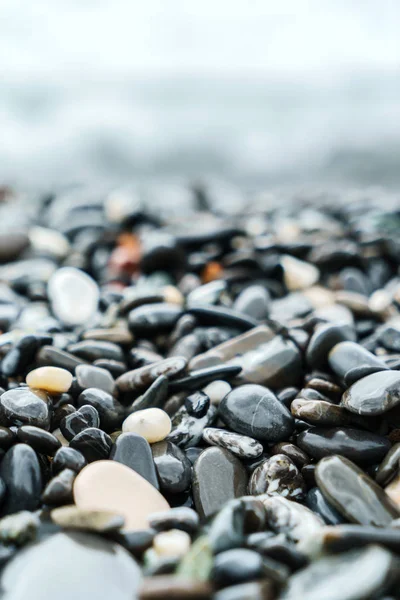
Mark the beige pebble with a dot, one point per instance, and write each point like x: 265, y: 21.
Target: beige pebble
x: 111, y: 486
x: 393, y: 490
x: 51, y: 379
x: 173, y: 295
x: 217, y: 390
x: 63, y: 441
x: 298, y: 274
x: 152, y: 423
x: 171, y: 543
x: 319, y: 296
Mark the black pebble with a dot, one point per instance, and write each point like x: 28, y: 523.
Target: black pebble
x: 93, y: 443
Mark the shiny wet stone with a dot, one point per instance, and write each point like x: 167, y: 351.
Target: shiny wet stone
x: 188, y: 430
x: 39, y: 439
x: 134, y: 451
x: 173, y: 467
x: 20, y: 471
x: 59, y: 489
x: 374, y: 394
x: 323, y: 340
x: 152, y: 318
x: 255, y: 411
x: 74, y: 296
x: 362, y: 447
x: 241, y: 446
x: 241, y: 565
x: 296, y: 521
x: 94, y: 444
x: 89, y: 376
x: 83, y: 418
x: 354, y: 495
x: 68, y: 458
x: 217, y: 477
x: 22, y: 406
x: 110, y: 411
x: 278, y: 476
x: 317, y: 502
x: 350, y: 362
x: 136, y: 380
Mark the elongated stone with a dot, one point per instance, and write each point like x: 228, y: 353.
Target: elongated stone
x: 217, y: 477
x: 152, y: 318
x: 346, y: 537
x: 255, y: 411
x: 320, y: 412
x: 389, y: 466
x: 374, y: 394
x: 111, y: 486
x: 241, y: 446
x: 317, y: 502
x: 134, y: 451
x: 39, y: 439
x: 142, y: 377
x: 355, y: 495
x: 348, y: 357
x: 74, y: 296
x: 21, y: 473
x: 324, y: 339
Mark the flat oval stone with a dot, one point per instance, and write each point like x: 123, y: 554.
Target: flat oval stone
x: 334, y: 577
x: 152, y: 318
x: 92, y: 350
x: 152, y: 423
x: 217, y: 477
x: 254, y: 302
x: 324, y: 339
x: 99, y: 521
x: 173, y: 467
x: 374, y: 394
x: 278, y: 476
x: 362, y: 447
x: 144, y: 376
x: 23, y: 406
x: 49, y: 355
x: 93, y: 443
x: 241, y: 446
x: 134, y: 451
x: 21, y: 473
x: 320, y: 412
x: 74, y: 296
x: 296, y: 455
x: 83, y: 418
x: 255, y: 411
x: 111, y: 486
x: 106, y: 570
x: 50, y: 379
x: 355, y: 495
x: 68, y: 458
x: 111, y: 412
x: 39, y: 439
x: 347, y: 357
x: 89, y: 376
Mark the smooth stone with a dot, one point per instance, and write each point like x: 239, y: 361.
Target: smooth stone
x: 197, y: 404
x: 59, y: 489
x: 333, y: 577
x: 291, y: 518
x: 206, y: 294
x: 74, y: 296
x: 152, y: 318
x: 278, y: 476
x: 298, y: 274
x: 117, y: 335
x: 7, y: 438
x: 21, y: 473
x: 114, y: 367
x: 241, y: 446
x: 349, y: 357
x: 173, y: 467
x: 320, y: 412
x: 346, y: 537
x: 160, y: 587
x: 354, y: 495
x: 389, y: 466
x: 19, y: 528
x: 202, y: 377
x: 93, y: 443
x: 91, y: 350
x: 316, y: 502
x: 188, y: 430
x: 39, y: 439
x: 68, y: 458
x: 254, y: 302
x: 134, y: 451
x: 99, y: 521
x: 217, y: 390
x: 263, y: 589
x: 324, y: 339
x: 154, y: 397
x: 83, y: 418
x: 217, y: 477
x: 50, y: 379
x: 171, y: 543
x: 111, y: 412
x: 20, y: 356
x: 373, y: 395
x: 49, y: 355
x: 152, y: 423
x: 111, y: 486
x: 22, y: 406
x: 255, y: 411
x: 296, y: 455
x: 106, y: 570
x: 362, y: 447
x: 240, y: 565
x: 278, y: 548
x: 142, y: 377
x: 88, y: 376
x: 182, y: 518
x: 221, y: 316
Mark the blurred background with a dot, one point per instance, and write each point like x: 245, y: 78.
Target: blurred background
x: 255, y: 92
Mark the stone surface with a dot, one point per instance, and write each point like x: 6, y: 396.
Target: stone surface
x: 111, y: 486
x: 278, y: 476
x: 21, y: 473
x: 217, y: 477
x: 39, y: 439
x: 74, y: 296
x: 50, y: 379
x: 134, y: 451
x: 111, y: 412
x: 374, y: 394
x: 241, y: 446
x: 152, y: 423
x: 100, y: 521
x: 298, y: 274
x: 22, y: 406
x: 89, y: 376
x: 173, y: 467
x: 93, y: 443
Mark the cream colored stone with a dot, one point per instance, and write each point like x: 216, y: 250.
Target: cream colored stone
x: 173, y: 295
x: 171, y: 543
x: 51, y: 379
x: 393, y: 490
x: 152, y: 423
x: 298, y: 274
x: 217, y: 390
x: 319, y: 296
x: 111, y: 486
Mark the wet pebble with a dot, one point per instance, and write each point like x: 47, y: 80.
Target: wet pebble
x: 39, y: 439
x: 83, y: 418
x: 241, y: 446
x: 134, y: 451
x: 89, y: 376
x: 110, y: 411
x: 22, y: 406
x: 20, y: 471
x: 182, y: 518
x: 173, y: 467
x: 68, y: 458
x: 50, y: 379
x: 93, y: 443
x: 152, y: 423
x: 74, y: 296
x: 373, y: 394
x: 278, y: 476
x: 59, y: 489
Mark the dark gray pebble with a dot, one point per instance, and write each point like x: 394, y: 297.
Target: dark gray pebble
x: 134, y: 451
x: 93, y: 443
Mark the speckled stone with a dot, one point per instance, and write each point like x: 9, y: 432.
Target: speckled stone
x: 278, y: 476
x: 241, y: 446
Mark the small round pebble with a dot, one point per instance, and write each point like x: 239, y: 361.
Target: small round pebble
x: 171, y: 543
x: 50, y: 379
x: 152, y: 423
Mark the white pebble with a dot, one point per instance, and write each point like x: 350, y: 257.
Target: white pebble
x: 152, y: 423
x: 74, y: 296
x: 51, y: 379
x: 217, y: 390
x: 298, y: 274
x: 171, y: 543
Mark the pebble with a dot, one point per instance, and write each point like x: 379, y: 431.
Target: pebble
x: 134, y: 451
x: 188, y: 430
x: 254, y: 302
x: 291, y: 518
x: 136, y: 380
x: 217, y: 390
x: 296, y: 455
x: 197, y: 404
x: 19, y: 528
x: 154, y: 397
x: 111, y: 486
x: 389, y: 466
x: 354, y: 495
x: 373, y: 395
x: 241, y: 446
x: 83, y: 418
x: 49, y: 355
x: 278, y: 476
x: 254, y: 410
x: 320, y: 412
x: 74, y: 296
x: 93, y: 443
x: 362, y: 447
x: 298, y: 274
x: 172, y: 543
x: 59, y: 488
x: 316, y: 502
x: 351, y: 362
x: 88, y: 376
x: 50, y: 379
x: 22, y: 406
x: 150, y: 319
x: 106, y: 570
x: 173, y: 467
x: 20, y: 471
x: 39, y: 439
x: 68, y: 458
x: 217, y: 477
x: 152, y: 423
x: 240, y: 565
x: 323, y: 340
x: 182, y: 518
x: 98, y: 521
x: 222, y: 316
